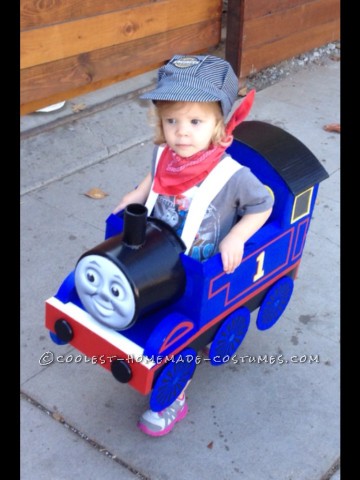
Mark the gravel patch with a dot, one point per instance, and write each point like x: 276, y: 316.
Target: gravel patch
x: 270, y: 75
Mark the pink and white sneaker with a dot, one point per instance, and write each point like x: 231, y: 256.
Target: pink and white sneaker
x: 157, y: 424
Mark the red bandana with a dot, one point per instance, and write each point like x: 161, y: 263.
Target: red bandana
x: 175, y: 174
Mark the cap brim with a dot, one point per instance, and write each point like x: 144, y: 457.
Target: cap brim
x: 180, y: 93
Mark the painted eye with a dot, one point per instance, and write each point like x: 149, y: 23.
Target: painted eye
x: 92, y: 277
x: 117, y: 291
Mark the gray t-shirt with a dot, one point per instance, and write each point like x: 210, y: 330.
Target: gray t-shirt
x: 243, y: 193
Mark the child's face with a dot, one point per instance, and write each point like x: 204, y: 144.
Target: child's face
x: 189, y: 126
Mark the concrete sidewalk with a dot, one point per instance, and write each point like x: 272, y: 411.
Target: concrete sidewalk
x: 253, y: 421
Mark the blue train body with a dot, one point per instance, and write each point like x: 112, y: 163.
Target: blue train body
x: 212, y: 307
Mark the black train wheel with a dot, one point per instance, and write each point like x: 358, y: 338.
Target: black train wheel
x: 274, y: 303
x: 229, y: 336
x: 173, y: 379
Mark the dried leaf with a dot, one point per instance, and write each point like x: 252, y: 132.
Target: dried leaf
x: 332, y: 127
x: 96, y: 193
x: 242, y: 92
x: 78, y: 107
x: 58, y: 417
x: 210, y: 445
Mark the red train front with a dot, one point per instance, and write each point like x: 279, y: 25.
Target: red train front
x: 141, y: 308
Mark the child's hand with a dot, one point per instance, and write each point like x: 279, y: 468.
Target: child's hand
x: 232, y: 246
x: 232, y: 250
x: 138, y: 195
x: 119, y: 207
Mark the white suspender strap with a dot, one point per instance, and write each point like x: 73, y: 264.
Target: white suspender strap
x: 151, y: 200
x: 207, y: 191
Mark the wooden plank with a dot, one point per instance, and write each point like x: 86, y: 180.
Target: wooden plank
x: 34, y: 105
x: 261, y: 8
x: 52, y: 43
x: 282, y: 24
x: 255, y: 59
x: 47, y: 83
x: 35, y: 13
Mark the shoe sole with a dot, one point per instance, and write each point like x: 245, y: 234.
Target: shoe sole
x: 182, y: 414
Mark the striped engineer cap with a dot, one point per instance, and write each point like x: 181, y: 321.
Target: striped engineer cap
x: 199, y: 78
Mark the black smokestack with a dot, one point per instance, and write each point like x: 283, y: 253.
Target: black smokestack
x: 135, y: 217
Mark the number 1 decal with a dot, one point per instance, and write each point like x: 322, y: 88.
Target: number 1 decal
x: 260, y: 269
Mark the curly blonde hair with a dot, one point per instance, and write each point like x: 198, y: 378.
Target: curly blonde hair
x: 155, y: 112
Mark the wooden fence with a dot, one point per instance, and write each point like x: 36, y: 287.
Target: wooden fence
x: 71, y: 47
x: 261, y: 33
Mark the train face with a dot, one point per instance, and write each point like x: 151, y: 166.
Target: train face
x: 105, y: 292
x: 138, y: 303
x: 131, y: 273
